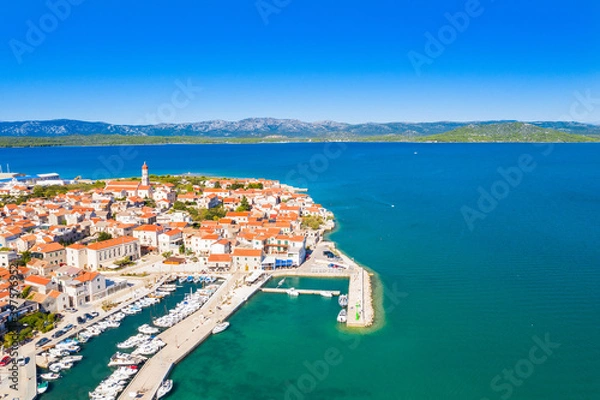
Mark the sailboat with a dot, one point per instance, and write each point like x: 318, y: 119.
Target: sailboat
x: 164, y: 388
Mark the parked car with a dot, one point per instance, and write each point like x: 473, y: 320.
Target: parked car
x: 5, y: 360
x: 81, y: 320
x: 71, y: 310
x: 94, y: 314
x: 68, y: 327
x: 41, y: 342
x: 88, y: 316
x: 21, y: 361
x: 58, y: 333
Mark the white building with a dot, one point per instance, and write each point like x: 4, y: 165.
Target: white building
x: 102, y: 254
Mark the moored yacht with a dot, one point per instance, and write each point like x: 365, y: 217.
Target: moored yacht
x: 220, y: 327
x: 164, y: 388
x: 342, y: 316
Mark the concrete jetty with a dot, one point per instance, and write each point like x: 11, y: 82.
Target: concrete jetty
x: 361, y: 313
x: 302, y: 291
x: 184, y: 337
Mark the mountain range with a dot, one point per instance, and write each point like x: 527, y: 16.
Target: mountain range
x: 272, y: 128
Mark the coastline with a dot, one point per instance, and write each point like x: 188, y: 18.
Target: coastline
x: 312, y: 141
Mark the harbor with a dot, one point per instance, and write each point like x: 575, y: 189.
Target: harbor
x: 184, y: 336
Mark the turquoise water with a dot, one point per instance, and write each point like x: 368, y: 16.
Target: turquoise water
x: 469, y: 302
x: 83, y: 378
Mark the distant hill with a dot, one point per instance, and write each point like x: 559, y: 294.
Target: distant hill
x: 263, y: 128
x: 269, y: 130
x: 508, y: 132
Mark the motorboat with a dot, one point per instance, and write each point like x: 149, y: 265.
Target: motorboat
x: 148, y: 330
x: 327, y: 294
x: 220, y: 327
x: 133, y: 341
x: 292, y: 292
x: 71, y: 359
x: 42, y: 387
x: 165, y: 387
x: 50, y: 376
x: 120, y: 359
x: 59, y: 366
x: 342, y: 316
x: 343, y: 300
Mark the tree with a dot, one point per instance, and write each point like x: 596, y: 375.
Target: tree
x: 102, y: 236
x: 149, y: 202
x: 257, y: 185
x: 179, y: 206
x: 182, y: 248
x: 25, y: 292
x: 217, y: 185
x: 167, y: 254
x: 244, y: 205
x: 312, y: 222
x: 26, y: 257
x: 236, y: 185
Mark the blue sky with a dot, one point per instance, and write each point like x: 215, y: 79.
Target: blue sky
x: 349, y: 60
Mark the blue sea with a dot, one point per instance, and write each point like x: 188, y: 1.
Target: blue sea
x: 487, y: 254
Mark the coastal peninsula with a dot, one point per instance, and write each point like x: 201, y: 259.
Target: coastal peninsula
x: 118, y: 246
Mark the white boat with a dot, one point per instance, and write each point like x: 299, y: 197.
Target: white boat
x: 42, y: 387
x: 168, y: 288
x: 342, y: 316
x: 59, y: 366
x: 292, y: 292
x: 327, y: 294
x: 281, y: 282
x: 148, y: 330
x: 50, y: 376
x: 133, y: 341
x: 220, y: 327
x: 71, y: 359
x: 120, y: 359
x: 164, y: 388
x: 343, y: 300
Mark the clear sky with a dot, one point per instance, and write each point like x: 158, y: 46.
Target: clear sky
x: 353, y: 61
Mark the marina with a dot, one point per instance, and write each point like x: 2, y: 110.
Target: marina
x: 202, y: 313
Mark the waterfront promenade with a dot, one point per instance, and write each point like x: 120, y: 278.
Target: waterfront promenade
x: 184, y: 337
